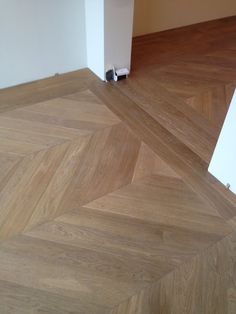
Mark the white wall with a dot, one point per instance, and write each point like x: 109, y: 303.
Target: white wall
x: 95, y: 36
x: 158, y: 15
x: 39, y: 38
x: 118, y: 33
x: 109, y: 27
x: 223, y: 164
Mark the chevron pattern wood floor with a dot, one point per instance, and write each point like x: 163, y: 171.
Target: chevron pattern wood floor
x: 62, y: 154
x: 106, y: 205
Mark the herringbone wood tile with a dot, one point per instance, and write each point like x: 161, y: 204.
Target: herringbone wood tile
x: 58, y: 154
x: 110, y: 249
x: 106, y: 205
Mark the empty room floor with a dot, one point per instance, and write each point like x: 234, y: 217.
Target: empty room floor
x: 106, y: 205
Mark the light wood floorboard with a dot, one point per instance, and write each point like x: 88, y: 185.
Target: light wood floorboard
x: 106, y: 205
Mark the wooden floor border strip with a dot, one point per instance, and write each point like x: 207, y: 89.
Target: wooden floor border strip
x: 167, y: 147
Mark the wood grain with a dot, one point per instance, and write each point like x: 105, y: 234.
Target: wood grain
x: 106, y: 205
x: 206, y: 284
x: 59, y: 153
x: 187, y: 164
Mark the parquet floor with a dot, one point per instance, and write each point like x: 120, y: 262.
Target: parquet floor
x: 106, y: 205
